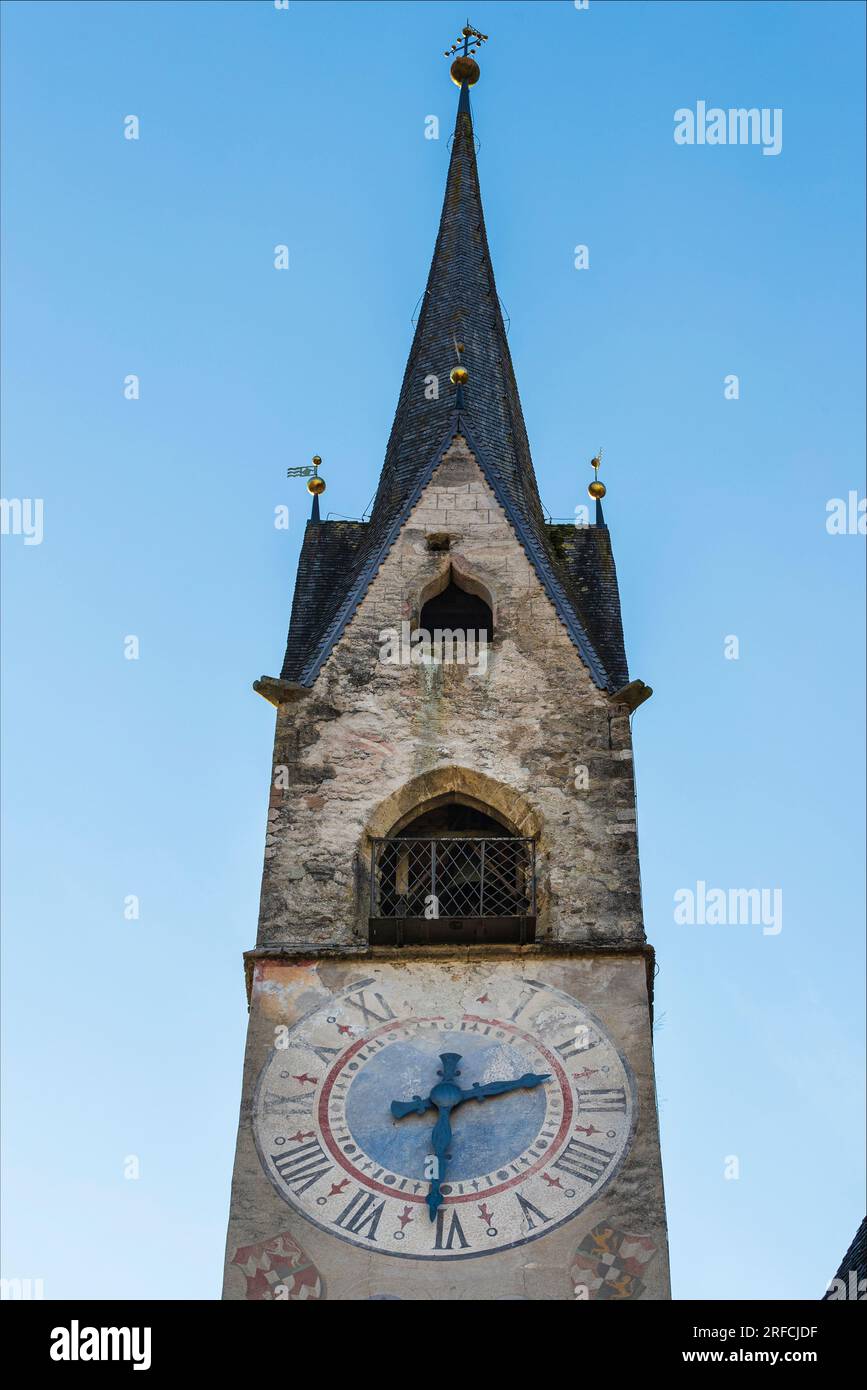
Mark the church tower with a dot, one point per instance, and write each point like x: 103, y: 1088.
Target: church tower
x: 448, y: 1087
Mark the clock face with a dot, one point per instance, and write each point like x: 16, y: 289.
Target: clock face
x: 521, y: 1160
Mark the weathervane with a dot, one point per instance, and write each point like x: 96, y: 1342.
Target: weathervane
x: 465, y: 69
x: 316, y: 485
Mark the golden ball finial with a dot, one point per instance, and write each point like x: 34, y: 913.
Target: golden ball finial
x: 316, y: 485
x: 465, y: 70
x: 597, y: 490
x: 459, y: 376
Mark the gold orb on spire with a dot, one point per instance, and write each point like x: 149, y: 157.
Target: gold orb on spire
x: 459, y: 376
x: 465, y: 70
x: 316, y: 485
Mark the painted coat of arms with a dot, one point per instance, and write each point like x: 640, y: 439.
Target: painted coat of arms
x: 608, y: 1264
x: 278, y: 1269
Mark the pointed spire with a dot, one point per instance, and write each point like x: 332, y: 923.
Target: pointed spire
x: 460, y: 303
x: 479, y: 399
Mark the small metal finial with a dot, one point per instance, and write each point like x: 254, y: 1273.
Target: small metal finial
x: 459, y: 376
x: 596, y: 489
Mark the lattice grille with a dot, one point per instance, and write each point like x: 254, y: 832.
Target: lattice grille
x: 467, y: 877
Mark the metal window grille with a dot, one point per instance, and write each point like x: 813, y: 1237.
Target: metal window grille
x: 467, y: 877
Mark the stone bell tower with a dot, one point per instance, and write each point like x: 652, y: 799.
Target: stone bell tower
x: 448, y: 1086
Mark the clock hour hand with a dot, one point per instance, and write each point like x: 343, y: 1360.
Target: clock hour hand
x: 497, y: 1088
x: 416, y: 1106
x: 441, y: 1138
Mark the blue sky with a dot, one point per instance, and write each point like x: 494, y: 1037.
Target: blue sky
x: 150, y: 777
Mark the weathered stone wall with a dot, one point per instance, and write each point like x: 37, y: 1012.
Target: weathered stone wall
x: 372, y: 741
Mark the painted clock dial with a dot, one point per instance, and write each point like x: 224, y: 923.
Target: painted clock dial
x: 519, y: 1165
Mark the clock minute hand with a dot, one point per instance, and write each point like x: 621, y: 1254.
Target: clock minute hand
x: 497, y: 1088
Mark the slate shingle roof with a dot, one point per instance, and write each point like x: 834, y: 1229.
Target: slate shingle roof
x: 339, y: 559
x: 854, y: 1261
x: 588, y: 561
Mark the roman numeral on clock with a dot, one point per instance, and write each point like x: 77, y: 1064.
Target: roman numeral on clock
x: 584, y: 1161
x: 534, y: 988
x: 445, y: 1241
x: 361, y: 1215
x: 600, y: 1100
x: 304, y: 1166
x: 581, y: 1040
x: 292, y: 1107
x: 370, y: 1016
x: 528, y: 1211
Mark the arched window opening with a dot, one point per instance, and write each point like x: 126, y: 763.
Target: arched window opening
x: 455, y: 609
x: 453, y: 873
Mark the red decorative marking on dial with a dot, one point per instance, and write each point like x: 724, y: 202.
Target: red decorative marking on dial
x: 552, y: 1182
x: 483, y: 999
x: 485, y: 1215
x: 296, y: 1138
x: 304, y: 1077
x: 405, y: 1217
x: 337, y: 1187
x: 587, y: 1129
x: 583, y: 1075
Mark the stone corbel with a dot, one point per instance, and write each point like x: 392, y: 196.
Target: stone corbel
x: 631, y: 695
x: 279, y: 692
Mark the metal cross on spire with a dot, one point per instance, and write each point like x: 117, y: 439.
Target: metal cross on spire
x: 465, y: 70
x: 470, y: 40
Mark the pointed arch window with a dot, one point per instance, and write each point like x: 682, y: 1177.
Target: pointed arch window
x: 457, y: 609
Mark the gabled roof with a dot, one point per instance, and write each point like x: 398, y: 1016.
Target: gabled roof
x: 460, y: 304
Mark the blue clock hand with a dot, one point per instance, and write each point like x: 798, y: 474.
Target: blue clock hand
x: 416, y: 1106
x: 497, y: 1088
x: 445, y: 1096
x: 440, y: 1140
